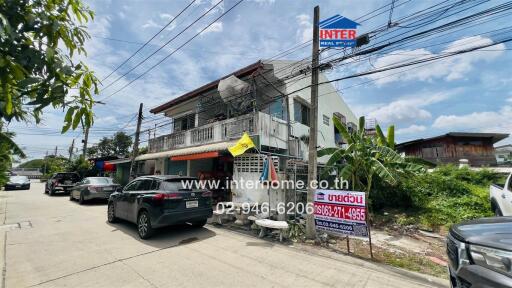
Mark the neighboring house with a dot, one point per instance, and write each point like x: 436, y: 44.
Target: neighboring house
x: 122, y: 169
x: 477, y: 148
x: 503, y: 154
x: 209, y: 119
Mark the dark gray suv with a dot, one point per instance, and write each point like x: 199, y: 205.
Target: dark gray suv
x: 157, y: 201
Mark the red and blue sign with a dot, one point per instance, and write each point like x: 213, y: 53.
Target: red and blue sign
x: 341, y: 212
x: 338, y: 31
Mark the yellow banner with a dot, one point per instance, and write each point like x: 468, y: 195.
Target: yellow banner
x: 242, y: 145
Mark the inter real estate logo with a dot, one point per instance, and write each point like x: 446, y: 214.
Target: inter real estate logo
x: 338, y: 31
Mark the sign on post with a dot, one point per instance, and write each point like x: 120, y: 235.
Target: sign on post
x: 341, y: 212
x: 338, y: 31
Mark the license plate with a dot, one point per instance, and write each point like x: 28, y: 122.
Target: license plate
x: 191, y: 204
x: 18, y: 186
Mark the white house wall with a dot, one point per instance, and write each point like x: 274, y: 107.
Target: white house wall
x: 329, y: 102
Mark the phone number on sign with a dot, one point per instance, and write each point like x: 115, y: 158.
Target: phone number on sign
x: 340, y: 211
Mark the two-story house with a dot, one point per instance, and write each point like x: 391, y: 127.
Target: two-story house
x: 209, y: 119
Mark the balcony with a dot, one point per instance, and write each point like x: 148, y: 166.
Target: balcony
x: 269, y: 129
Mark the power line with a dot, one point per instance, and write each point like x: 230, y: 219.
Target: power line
x: 147, y: 42
x: 176, y: 50
x: 165, y: 44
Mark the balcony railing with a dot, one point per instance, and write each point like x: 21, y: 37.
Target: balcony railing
x: 210, y: 133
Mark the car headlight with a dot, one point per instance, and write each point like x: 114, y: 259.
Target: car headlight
x: 492, y: 258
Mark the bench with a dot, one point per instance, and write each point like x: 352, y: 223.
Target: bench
x: 271, y: 224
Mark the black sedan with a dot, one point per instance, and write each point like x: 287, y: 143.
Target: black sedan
x: 93, y: 188
x: 17, y: 182
x: 157, y: 201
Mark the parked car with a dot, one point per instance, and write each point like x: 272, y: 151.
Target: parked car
x: 501, y: 198
x: 157, y: 201
x: 480, y: 253
x: 61, y: 182
x: 17, y: 182
x: 93, y: 188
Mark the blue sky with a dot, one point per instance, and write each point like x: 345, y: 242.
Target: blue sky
x: 465, y: 93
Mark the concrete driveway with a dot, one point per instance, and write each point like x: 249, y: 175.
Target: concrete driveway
x: 53, y: 242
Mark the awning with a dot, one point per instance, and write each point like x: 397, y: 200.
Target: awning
x: 118, y: 161
x: 221, y: 146
x: 204, y: 155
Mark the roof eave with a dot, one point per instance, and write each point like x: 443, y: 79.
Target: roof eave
x: 207, y: 87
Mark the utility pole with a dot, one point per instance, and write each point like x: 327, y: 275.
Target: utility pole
x: 86, y: 137
x: 313, y: 123
x: 56, y: 150
x: 45, y: 160
x: 71, y: 149
x: 135, y: 150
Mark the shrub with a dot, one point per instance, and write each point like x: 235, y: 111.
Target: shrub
x: 446, y: 196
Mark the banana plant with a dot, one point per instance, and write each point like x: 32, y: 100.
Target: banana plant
x: 366, y: 158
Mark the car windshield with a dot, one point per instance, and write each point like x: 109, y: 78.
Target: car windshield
x: 179, y: 184
x: 67, y: 176
x: 18, y: 178
x: 101, y: 180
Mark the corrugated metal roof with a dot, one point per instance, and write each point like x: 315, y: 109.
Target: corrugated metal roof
x: 495, y: 137
x: 221, y: 146
x: 194, y: 93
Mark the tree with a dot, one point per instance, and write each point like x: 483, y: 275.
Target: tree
x: 38, y: 40
x: 81, y: 166
x: 122, y: 143
x: 117, y: 145
x: 8, y: 149
x: 367, y: 158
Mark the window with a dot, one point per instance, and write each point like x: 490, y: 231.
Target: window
x: 132, y: 186
x: 100, y: 180
x: 277, y: 109
x: 179, y: 184
x: 326, y: 119
x: 145, y: 185
x: 301, y: 113
x: 185, y: 122
x: 337, y: 135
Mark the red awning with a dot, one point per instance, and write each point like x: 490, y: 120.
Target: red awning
x: 204, y: 155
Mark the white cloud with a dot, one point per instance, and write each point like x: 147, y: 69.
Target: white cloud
x: 269, y: 2
x: 215, y: 27
x: 452, y: 68
x: 486, y: 121
x: 305, y: 30
x: 411, y: 129
x: 409, y: 109
x: 151, y: 24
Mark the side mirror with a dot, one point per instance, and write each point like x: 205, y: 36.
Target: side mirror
x: 119, y: 189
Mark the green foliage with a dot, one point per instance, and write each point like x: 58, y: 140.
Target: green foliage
x: 367, y: 158
x: 447, y: 195
x: 8, y: 149
x: 38, y: 40
x: 54, y: 164
x: 81, y: 166
x: 117, y: 145
x: 35, y: 163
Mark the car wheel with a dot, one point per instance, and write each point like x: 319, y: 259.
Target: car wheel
x: 111, y: 213
x: 497, y: 212
x: 51, y: 192
x: 71, y: 197
x: 144, y: 225
x: 28, y: 188
x: 81, y: 200
x: 199, y: 223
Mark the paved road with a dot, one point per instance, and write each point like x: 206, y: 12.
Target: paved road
x: 52, y: 242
